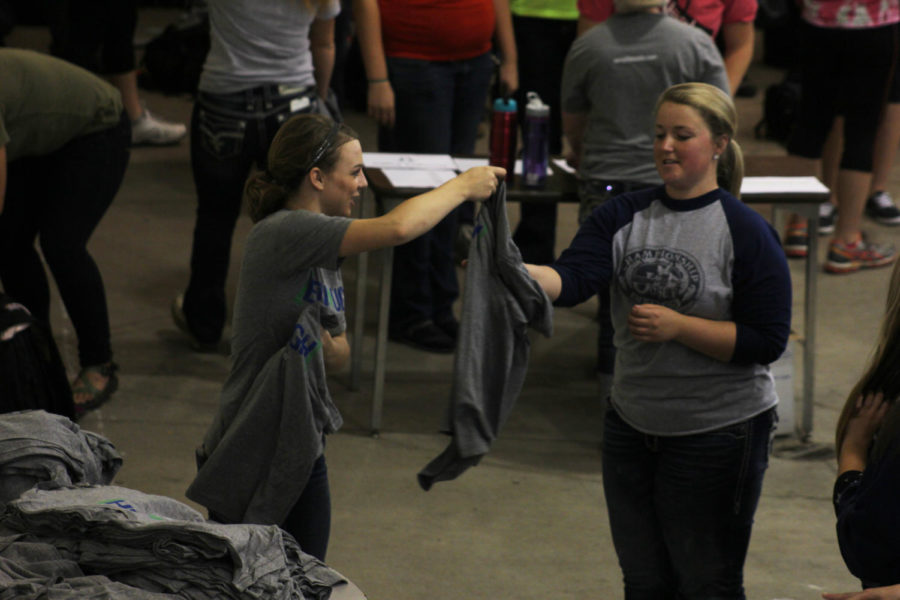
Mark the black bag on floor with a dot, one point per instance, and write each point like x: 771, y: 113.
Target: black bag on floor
x: 781, y: 106
x: 32, y: 374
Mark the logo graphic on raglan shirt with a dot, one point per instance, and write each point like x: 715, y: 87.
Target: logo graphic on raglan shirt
x: 671, y: 278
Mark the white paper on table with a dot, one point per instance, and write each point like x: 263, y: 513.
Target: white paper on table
x: 464, y: 164
x: 414, y: 178
x: 784, y: 185
x: 562, y: 164
x: 520, y: 169
x: 398, y: 160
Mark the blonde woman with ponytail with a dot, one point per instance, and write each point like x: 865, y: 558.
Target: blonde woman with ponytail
x: 700, y: 298
x: 301, y: 205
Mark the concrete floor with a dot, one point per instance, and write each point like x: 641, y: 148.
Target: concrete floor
x: 530, y: 521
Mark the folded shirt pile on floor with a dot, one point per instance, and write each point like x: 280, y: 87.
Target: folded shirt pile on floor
x: 158, y: 544
x: 63, y: 541
x: 38, y: 446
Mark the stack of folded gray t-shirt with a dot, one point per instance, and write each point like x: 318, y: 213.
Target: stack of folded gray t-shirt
x: 38, y: 571
x: 39, y: 446
x: 159, y: 546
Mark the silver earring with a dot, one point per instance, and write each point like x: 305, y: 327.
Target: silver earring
x: 715, y: 157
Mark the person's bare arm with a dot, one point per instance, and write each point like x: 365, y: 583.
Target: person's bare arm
x: 861, y: 428
x: 380, y: 93
x: 547, y: 278
x: 336, y: 350
x: 573, y: 125
x: 506, y: 42
x: 321, y: 47
x: 415, y: 216
x: 738, y: 52
x: 584, y: 24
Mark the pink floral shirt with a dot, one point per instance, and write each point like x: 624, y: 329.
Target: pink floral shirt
x: 851, y: 14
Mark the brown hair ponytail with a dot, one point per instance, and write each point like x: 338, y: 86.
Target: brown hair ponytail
x: 302, y: 142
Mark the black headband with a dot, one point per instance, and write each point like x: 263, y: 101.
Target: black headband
x: 323, y: 147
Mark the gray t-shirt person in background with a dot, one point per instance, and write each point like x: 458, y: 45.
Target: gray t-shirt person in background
x: 301, y: 205
x: 613, y: 75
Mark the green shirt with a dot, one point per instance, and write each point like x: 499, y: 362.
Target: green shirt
x: 544, y: 9
x: 46, y: 102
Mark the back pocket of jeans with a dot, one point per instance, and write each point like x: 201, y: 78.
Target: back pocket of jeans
x: 221, y: 136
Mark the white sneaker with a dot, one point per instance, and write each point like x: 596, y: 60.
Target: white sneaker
x: 880, y: 206
x: 827, y: 215
x: 149, y: 130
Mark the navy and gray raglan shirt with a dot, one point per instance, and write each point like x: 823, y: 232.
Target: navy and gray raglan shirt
x: 711, y: 257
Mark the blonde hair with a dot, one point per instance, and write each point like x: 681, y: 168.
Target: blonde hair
x: 881, y: 375
x: 290, y: 158
x: 718, y: 112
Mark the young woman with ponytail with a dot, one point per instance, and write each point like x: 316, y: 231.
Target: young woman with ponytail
x: 700, y: 298
x: 301, y: 206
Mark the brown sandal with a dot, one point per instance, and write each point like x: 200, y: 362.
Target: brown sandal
x: 98, y: 397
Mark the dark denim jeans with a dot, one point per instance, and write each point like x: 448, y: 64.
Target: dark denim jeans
x: 439, y: 106
x: 309, y: 520
x: 681, y: 507
x: 229, y: 132
x: 60, y: 198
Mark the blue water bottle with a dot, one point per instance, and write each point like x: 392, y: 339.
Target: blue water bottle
x: 537, y: 133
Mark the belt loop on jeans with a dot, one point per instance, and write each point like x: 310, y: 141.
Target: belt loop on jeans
x: 267, y: 96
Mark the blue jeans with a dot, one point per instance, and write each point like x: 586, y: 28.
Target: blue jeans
x: 229, y: 132
x: 309, y: 520
x: 439, y: 105
x: 681, y: 507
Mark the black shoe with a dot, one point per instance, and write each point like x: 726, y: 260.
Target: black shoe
x: 181, y: 322
x: 427, y: 336
x: 449, y: 325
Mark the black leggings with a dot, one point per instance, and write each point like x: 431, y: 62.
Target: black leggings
x: 844, y: 71
x: 61, y: 197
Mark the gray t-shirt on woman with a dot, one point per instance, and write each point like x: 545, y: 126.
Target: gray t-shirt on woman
x: 290, y: 260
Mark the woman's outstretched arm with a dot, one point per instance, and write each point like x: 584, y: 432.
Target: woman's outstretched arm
x: 419, y: 214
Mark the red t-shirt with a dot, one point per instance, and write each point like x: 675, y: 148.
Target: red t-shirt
x: 436, y: 29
